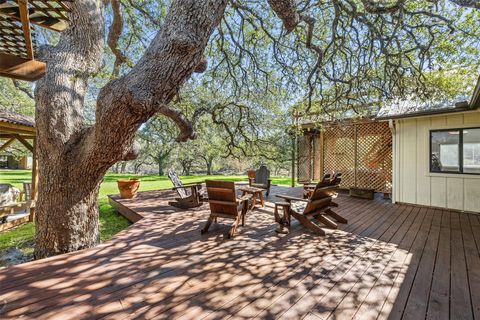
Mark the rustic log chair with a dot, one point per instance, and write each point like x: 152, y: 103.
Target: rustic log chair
x: 224, y: 203
x: 262, y: 179
x: 191, y: 195
x: 318, y: 206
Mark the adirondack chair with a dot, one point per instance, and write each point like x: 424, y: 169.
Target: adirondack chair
x: 190, y: 195
x: 262, y: 179
x: 317, y: 208
x: 309, y: 187
x: 224, y: 203
x: 326, y: 181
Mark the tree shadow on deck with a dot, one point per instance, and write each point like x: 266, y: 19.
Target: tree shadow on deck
x: 162, y: 267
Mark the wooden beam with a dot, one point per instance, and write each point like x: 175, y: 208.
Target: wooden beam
x: 20, y: 68
x: 25, y: 19
x: 50, y: 23
x: 7, y: 127
x: 25, y: 143
x: 14, y: 131
x: 12, y: 135
x: 7, y: 144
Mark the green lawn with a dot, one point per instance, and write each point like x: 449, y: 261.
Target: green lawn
x: 111, y: 222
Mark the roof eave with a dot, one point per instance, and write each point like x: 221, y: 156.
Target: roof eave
x: 459, y: 107
x: 475, y: 101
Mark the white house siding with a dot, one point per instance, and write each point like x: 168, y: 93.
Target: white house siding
x: 413, y: 183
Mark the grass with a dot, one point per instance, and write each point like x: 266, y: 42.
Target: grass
x: 22, y: 237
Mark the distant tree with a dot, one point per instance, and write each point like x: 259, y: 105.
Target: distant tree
x: 16, y: 96
x: 158, y: 140
x: 187, y: 157
x: 209, y: 146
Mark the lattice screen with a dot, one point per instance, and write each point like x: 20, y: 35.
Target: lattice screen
x: 361, y: 151
x: 374, y: 156
x: 338, y: 153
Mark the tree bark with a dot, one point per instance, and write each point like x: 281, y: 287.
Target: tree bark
x: 209, y: 168
x: 73, y: 156
x: 161, y: 171
x: 209, y: 163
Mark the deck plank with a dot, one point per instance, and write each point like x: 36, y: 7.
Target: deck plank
x: 389, y: 261
x: 461, y: 306
x: 348, y: 298
x: 473, y: 263
x: 416, y: 307
x: 398, y: 295
x: 439, y: 300
x: 373, y: 303
x: 321, y: 286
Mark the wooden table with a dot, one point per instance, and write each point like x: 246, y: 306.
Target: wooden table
x: 256, y: 193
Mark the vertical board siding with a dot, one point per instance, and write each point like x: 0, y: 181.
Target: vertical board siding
x: 438, y: 186
x: 455, y: 193
x: 409, y: 135
x: 472, y: 195
x: 413, y: 182
x: 423, y: 184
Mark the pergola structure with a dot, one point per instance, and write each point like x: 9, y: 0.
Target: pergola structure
x: 18, y: 45
x: 16, y: 127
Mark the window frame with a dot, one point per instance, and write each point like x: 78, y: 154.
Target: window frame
x: 460, y: 150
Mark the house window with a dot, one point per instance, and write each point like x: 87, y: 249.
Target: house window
x: 455, y: 151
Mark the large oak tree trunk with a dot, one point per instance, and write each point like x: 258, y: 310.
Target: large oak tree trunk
x: 74, y: 156
x: 68, y: 218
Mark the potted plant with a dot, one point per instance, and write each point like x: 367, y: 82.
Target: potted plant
x: 128, y: 187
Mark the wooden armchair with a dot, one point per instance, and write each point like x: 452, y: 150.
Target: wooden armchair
x: 190, y: 195
x: 326, y: 181
x: 261, y: 180
x: 224, y: 203
x: 318, y: 206
x: 308, y: 188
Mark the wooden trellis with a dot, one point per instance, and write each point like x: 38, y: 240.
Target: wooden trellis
x: 361, y: 151
x: 339, y: 152
x: 17, y: 38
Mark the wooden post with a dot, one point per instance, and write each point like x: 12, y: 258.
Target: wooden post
x: 355, y: 154
x: 321, y: 150
x: 34, y: 192
x: 294, y: 147
x: 25, y: 19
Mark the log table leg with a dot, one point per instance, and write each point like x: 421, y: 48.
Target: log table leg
x: 254, y: 201
x: 284, y: 221
x: 262, y: 199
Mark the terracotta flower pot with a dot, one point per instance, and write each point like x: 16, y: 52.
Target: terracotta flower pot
x: 128, y: 187
x: 251, y: 173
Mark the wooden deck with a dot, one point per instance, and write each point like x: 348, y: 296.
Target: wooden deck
x: 389, y: 261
